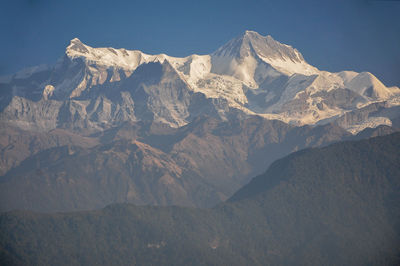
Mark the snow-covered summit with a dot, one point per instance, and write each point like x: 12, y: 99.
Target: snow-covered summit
x: 77, y: 46
x: 252, y: 43
x: 105, y: 56
x: 252, y: 55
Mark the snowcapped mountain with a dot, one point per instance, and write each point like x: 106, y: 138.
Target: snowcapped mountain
x: 95, y: 88
x: 108, y: 125
x: 252, y: 57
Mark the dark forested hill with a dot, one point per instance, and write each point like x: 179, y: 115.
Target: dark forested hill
x: 338, y: 205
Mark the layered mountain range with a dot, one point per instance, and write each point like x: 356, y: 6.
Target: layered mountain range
x: 337, y: 205
x: 108, y: 125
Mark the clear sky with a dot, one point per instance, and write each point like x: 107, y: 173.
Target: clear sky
x: 361, y: 35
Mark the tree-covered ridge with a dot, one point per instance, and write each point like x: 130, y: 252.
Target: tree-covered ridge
x: 338, y: 205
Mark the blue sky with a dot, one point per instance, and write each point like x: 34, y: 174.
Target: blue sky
x: 361, y: 35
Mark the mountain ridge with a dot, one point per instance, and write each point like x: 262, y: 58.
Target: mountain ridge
x: 253, y: 74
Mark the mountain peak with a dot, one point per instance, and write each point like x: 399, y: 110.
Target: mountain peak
x: 264, y: 47
x: 243, y: 55
x: 251, y: 33
x: 77, y: 46
x: 75, y: 40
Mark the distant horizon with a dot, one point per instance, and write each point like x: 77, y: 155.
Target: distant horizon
x: 357, y: 35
